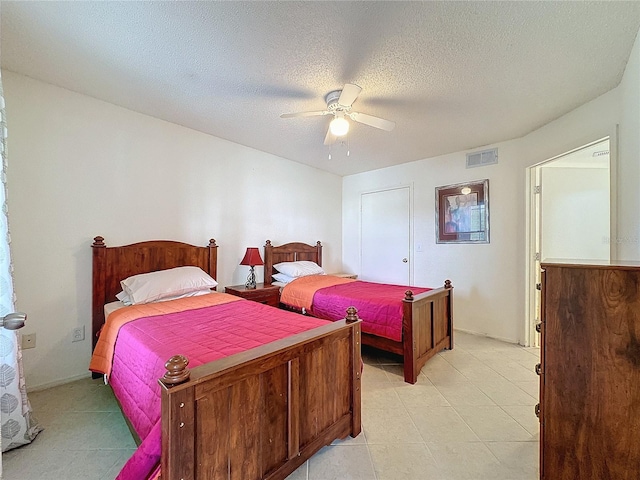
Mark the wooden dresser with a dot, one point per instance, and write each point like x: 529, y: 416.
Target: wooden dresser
x: 590, y: 372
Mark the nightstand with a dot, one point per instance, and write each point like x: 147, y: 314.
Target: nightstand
x: 267, y: 294
x: 345, y: 275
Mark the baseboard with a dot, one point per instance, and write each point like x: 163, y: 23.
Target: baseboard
x: 57, y: 383
x: 471, y: 332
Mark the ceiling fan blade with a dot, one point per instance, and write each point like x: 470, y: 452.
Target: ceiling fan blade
x: 372, y: 121
x: 330, y: 139
x: 304, y: 114
x: 349, y: 94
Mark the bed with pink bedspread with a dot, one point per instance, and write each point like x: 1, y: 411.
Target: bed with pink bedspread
x: 262, y: 393
x: 379, y: 305
x: 205, y: 333
x: 414, y: 322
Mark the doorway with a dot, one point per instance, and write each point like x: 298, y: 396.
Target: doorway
x: 385, y: 235
x: 570, y: 216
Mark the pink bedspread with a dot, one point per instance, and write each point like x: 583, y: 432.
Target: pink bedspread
x: 203, y: 335
x: 379, y: 305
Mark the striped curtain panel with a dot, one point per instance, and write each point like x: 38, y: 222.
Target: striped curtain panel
x: 17, y: 425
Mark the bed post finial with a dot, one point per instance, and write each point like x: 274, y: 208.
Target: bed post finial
x: 447, y: 284
x: 352, y: 315
x: 177, y: 371
x: 98, y: 242
x: 408, y: 296
x: 212, y: 242
x: 268, y: 243
x: 318, y: 243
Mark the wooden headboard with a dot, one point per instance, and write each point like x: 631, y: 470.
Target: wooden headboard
x: 289, y: 252
x: 113, y: 264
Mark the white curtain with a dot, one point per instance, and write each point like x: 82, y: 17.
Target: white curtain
x: 17, y: 426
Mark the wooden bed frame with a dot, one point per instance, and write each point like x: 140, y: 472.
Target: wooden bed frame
x: 259, y: 414
x: 427, y: 323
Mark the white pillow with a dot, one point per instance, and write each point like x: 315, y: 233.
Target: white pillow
x: 150, y: 287
x: 282, y: 278
x: 301, y: 268
x: 124, y: 298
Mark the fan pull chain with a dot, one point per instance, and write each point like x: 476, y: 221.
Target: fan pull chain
x: 346, y: 145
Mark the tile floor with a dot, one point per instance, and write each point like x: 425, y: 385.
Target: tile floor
x: 470, y: 416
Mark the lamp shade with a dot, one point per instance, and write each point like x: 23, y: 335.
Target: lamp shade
x: 252, y: 257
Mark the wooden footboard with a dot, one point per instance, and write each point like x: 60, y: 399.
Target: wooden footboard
x: 262, y: 413
x: 427, y: 328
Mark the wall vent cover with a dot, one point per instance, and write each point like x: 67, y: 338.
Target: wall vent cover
x: 480, y: 159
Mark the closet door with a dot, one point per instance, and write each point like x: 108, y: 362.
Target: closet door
x: 385, y: 236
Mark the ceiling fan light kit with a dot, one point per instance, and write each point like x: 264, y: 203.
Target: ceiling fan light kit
x: 339, y: 104
x: 339, y: 126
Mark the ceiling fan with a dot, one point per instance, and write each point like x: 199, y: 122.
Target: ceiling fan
x: 339, y: 105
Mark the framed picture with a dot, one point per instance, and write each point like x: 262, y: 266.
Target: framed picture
x: 462, y: 213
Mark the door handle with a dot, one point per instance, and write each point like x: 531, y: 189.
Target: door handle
x: 404, y: 260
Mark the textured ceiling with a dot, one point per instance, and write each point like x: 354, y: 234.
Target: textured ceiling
x: 452, y: 75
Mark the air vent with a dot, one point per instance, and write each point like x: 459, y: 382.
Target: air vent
x: 480, y: 159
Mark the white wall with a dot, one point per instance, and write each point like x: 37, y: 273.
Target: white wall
x: 79, y: 167
x: 489, y: 279
x: 575, y: 213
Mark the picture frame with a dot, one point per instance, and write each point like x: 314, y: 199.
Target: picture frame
x: 462, y: 212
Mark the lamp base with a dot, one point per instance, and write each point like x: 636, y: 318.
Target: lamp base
x: 251, y: 281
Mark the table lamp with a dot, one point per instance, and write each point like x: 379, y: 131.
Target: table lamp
x: 251, y: 258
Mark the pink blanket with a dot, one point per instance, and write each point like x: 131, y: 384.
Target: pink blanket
x: 203, y: 335
x: 379, y: 305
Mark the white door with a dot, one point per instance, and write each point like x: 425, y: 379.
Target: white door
x: 385, y: 236
x: 571, y: 219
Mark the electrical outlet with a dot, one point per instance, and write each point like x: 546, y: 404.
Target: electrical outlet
x: 78, y: 334
x: 29, y: 341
